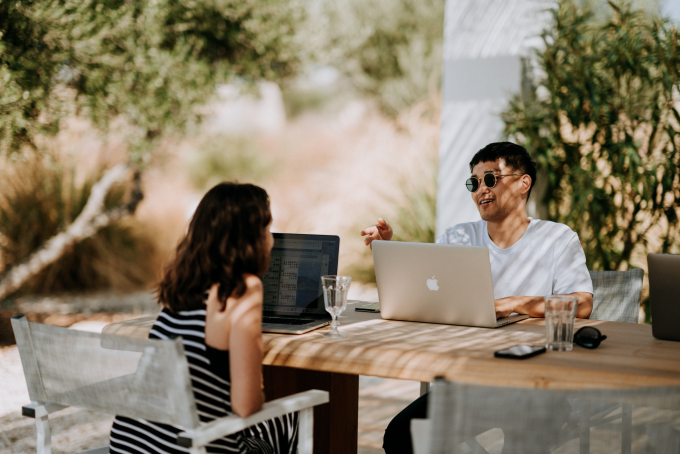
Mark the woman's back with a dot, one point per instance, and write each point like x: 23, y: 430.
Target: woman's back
x: 226, y: 248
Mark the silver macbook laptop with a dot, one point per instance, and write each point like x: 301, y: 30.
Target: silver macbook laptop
x: 436, y: 283
x: 293, y: 299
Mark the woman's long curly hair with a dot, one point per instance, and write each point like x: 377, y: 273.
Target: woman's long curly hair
x: 225, y: 239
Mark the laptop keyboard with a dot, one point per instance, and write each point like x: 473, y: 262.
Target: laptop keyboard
x: 287, y: 321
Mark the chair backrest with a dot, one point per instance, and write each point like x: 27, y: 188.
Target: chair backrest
x: 533, y: 420
x: 137, y: 378
x: 616, y: 295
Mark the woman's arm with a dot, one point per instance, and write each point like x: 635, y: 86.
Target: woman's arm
x: 245, y: 348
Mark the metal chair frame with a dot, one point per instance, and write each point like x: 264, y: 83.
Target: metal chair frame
x: 196, y: 435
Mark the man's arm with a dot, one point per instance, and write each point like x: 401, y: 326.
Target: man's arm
x: 534, y: 306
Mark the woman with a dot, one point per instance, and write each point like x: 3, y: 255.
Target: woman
x: 226, y: 248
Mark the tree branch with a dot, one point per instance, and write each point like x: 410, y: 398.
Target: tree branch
x: 91, y: 219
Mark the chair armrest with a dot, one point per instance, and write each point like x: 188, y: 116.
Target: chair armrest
x: 232, y: 424
x: 38, y: 410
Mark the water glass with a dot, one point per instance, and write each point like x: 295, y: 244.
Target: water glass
x: 335, y: 290
x: 560, y: 313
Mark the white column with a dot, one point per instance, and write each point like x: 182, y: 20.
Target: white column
x: 484, y: 41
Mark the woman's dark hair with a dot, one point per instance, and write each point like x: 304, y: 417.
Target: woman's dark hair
x: 515, y: 156
x: 225, y: 239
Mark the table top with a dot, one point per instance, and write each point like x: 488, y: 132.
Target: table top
x: 630, y: 357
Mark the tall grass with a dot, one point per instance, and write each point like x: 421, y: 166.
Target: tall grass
x: 413, y: 220
x: 40, y: 196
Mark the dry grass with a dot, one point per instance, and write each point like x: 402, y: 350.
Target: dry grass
x: 330, y: 172
x: 41, y: 195
x: 338, y: 174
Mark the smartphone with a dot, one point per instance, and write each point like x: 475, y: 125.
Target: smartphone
x: 520, y: 352
x: 372, y: 307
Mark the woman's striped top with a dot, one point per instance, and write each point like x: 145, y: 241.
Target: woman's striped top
x: 209, y: 373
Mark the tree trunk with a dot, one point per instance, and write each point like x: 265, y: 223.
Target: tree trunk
x: 89, y: 221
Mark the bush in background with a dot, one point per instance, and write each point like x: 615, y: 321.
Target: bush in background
x: 605, y: 126
x: 414, y: 218
x: 390, y: 49
x: 42, y: 194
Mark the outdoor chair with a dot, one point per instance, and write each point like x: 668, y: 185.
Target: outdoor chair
x: 616, y: 295
x: 616, y: 298
x: 465, y: 419
x: 137, y: 378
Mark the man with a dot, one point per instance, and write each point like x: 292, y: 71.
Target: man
x: 530, y: 258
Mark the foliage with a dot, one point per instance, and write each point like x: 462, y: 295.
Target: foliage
x: 416, y: 217
x: 605, y: 126
x: 40, y: 196
x: 391, y: 49
x: 150, y: 61
x: 219, y: 158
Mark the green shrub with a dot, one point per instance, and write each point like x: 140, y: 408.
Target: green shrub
x: 390, y: 49
x: 41, y: 196
x: 605, y: 127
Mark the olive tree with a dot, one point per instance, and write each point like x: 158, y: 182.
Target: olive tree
x: 149, y: 63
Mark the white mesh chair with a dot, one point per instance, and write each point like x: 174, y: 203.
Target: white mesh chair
x: 137, y: 378
x: 616, y: 295
x: 481, y: 419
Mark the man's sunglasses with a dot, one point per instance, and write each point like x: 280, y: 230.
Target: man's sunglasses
x: 588, y: 337
x: 490, y: 180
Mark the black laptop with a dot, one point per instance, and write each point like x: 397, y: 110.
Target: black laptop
x: 293, y: 298
x: 664, y: 294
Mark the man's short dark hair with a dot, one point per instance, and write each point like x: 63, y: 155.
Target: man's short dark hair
x: 514, y: 155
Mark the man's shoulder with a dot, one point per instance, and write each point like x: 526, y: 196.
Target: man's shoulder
x: 465, y: 233
x: 476, y: 226
x: 553, y: 229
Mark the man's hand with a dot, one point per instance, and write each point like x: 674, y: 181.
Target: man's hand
x: 380, y: 231
x: 534, y: 306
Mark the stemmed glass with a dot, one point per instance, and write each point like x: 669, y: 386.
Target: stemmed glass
x: 335, y: 290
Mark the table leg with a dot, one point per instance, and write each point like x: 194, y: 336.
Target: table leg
x: 336, y: 424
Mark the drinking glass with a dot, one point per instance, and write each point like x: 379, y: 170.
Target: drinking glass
x: 560, y: 313
x: 335, y: 290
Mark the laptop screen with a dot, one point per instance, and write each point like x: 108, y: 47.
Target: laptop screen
x: 292, y: 283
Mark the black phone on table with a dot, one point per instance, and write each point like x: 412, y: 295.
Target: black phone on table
x: 520, y: 352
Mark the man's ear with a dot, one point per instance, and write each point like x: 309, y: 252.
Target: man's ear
x: 526, y: 184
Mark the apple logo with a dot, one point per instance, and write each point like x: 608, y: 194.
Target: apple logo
x: 432, y: 284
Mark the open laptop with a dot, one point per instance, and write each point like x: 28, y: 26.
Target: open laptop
x: 436, y: 283
x: 664, y: 294
x: 293, y: 299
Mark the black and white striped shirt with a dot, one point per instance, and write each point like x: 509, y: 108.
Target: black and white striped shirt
x: 209, y: 372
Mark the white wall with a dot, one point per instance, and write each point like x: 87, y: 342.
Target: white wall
x: 484, y: 41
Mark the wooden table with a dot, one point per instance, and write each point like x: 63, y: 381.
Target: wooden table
x: 630, y: 357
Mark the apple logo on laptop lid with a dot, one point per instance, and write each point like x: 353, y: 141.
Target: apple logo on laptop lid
x: 432, y: 284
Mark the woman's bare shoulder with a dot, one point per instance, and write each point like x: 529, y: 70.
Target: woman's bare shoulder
x: 253, y: 293
x: 253, y: 283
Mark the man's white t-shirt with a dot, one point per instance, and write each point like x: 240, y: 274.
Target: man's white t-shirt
x: 547, y: 260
